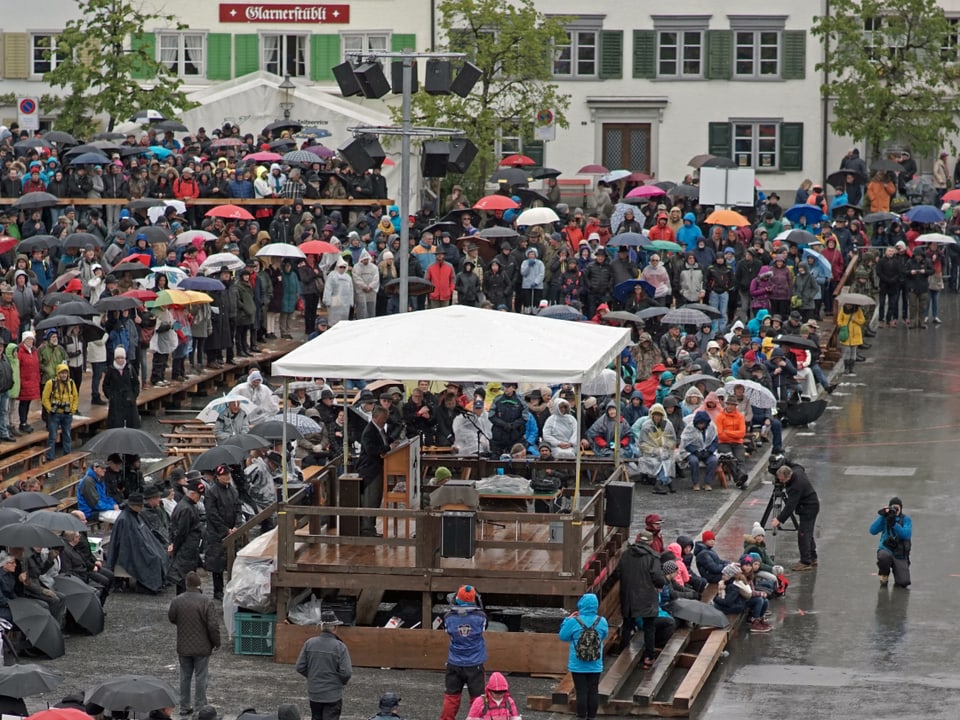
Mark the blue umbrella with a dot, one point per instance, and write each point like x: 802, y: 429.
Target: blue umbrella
x: 90, y: 159
x: 203, y: 284
x: 811, y: 212
x: 807, y: 252
x: 625, y: 289
x: 160, y: 152
x: 924, y: 214
x: 315, y: 132
x: 629, y: 238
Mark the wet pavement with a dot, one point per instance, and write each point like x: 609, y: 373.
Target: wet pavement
x: 843, y: 647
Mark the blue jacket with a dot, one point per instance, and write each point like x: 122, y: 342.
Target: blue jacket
x: 465, y: 625
x: 290, y: 291
x: 42, y: 272
x: 689, y: 233
x: 104, y: 503
x: 709, y: 563
x: 570, y: 631
x: 902, y: 529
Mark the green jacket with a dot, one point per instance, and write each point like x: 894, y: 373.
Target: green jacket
x: 14, y: 359
x: 50, y: 357
x: 246, y: 307
x: 750, y: 546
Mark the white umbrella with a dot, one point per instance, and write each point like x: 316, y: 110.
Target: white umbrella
x: 819, y: 258
x: 302, y: 423
x: 179, y: 205
x: 283, y: 250
x: 186, y: 238
x: 155, y: 213
x: 603, y: 384
x: 537, y: 216
x: 214, y: 263
x: 615, y: 175
x: 174, y: 275
x: 936, y: 239
x: 756, y: 394
x: 213, y: 408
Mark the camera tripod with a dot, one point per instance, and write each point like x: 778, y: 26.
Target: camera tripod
x: 775, y: 506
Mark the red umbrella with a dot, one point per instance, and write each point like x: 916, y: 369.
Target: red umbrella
x: 387, y: 162
x: 495, y: 202
x: 141, y: 258
x: 60, y: 714
x: 638, y: 177
x: 263, y: 156
x: 229, y: 212
x: 317, y: 247
x: 952, y: 196
x: 645, y: 191
x: 141, y: 295
x: 517, y: 161
x: 593, y: 170
x: 227, y: 142
x: 7, y: 244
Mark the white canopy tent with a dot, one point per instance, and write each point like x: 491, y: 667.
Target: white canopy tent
x: 460, y: 342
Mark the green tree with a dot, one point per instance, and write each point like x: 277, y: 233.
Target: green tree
x: 100, y: 54
x: 892, y: 69
x: 511, y: 43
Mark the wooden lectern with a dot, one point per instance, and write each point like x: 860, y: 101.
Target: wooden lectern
x: 401, y: 481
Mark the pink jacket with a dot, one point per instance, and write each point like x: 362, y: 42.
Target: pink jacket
x: 683, y: 575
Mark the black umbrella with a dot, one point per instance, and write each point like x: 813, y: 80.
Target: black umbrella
x: 273, y: 430
x: 155, y: 234
x: 497, y: 232
x: 803, y: 413
x: 20, y: 681
x: 283, y: 145
x: 37, y: 242
x: 688, y: 191
x: 108, y: 136
x: 247, y: 442
x: 83, y: 602
x: 439, y: 228
x: 89, y: 158
x: 35, y: 201
x: 30, y: 501
x: 560, y: 312
x: 55, y: 298
x: 140, y: 693
x: 704, y: 308
x: 800, y: 237
x: 652, y: 312
x: 33, y: 143
x: 699, y: 613
x: 665, y: 185
x: 126, y: 441
x: 61, y: 138
x: 56, y: 521
x: 278, y: 126
x: 622, y: 316
x: 544, y: 173
x: 532, y: 198
x: 11, y: 515
x: 633, y: 239
x: 683, y: 316
x: 511, y: 177
x: 219, y: 455
x: 117, y: 302
x: 719, y: 162
x: 133, y: 267
x: 879, y: 217
x: 415, y: 286
x: 24, y: 535
x: 144, y: 203
x: 80, y: 240
x: 75, y: 307
x: 171, y: 125
x: 42, y: 630
x: 89, y: 331
x: 884, y: 165
x: 838, y: 178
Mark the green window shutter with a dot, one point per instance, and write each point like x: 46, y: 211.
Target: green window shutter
x: 611, y: 54
x: 219, y: 55
x: 143, y: 43
x: 16, y: 52
x: 793, y: 64
x: 403, y: 41
x: 644, y: 53
x: 324, y: 55
x: 533, y: 149
x: 720, y: 139
x: 719, y: 54
x: 791, y: 146
x: 246, y: 54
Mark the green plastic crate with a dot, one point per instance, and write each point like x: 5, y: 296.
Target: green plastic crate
x: 253, y: 633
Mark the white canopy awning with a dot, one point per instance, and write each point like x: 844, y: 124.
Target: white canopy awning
x: 458, y: 343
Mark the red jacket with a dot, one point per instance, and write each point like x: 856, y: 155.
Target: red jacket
x: 441, y: 275
x: 183, y: 188
x: 29, y: 373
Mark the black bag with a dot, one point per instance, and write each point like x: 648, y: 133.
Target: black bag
x: 6, y: 374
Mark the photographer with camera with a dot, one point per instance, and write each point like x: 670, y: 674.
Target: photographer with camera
x: 60, y: 401
x: 895, y: 530
x: 801, y: 499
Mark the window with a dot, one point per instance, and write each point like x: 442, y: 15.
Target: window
x: 182, y: 53
x: 948, y: 50
x: 879, y: 44
x: 627, y: 145
x: 578, y: 56
x: 43, y: 54
x: 680, y: 53
x: 510, y: 142
x: 756, y: 53
x: 364, y: 42
x: 755, y: 145
x: 285, y: 55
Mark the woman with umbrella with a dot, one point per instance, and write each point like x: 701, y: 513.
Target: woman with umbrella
x: 121, y: 386
x: 338, y: 293
x: 851, y: 319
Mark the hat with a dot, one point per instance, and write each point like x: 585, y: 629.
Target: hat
x: 207, y: 712
x: 388, y: 701
x: 895, y: 501
x: 195, y: 485
x: 442, y: 473
x: 274, y: 458
x: 757, y: 530
x: 652, y: 519
x: 466, y: 595
x: 708, y: 535
x: 746, y: 560
x: 643, y: 537
x: 544, y: 303
x: 29, y: 334
x: 730, y: 571
x: 813, y: 323
x: 176, y: 475
x: 670, y: 566
x: 329, y: 617
x: 135, y: 499
x: 366, y: 396
x: 99, y: 463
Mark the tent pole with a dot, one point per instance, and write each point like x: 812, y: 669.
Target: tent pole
x: 616, y: 429
x: 283, y: 437
x: 578, y: 399
x: 346, y: 422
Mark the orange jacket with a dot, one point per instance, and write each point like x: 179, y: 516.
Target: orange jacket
x: 731, y: 427
x: 879, y: 194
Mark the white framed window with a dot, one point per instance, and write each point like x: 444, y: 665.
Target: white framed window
x: 283, y: 54
x: 577, y: 57
x: 363, y: 42
x: 182, y: 53
x: 756, y: 53
x: 680, y: 53
x: 881, y: 44
x: 755, y: 145
x: 43, y: 53
x: 951, y: 42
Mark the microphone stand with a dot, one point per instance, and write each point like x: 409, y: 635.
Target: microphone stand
x: 472, y: 419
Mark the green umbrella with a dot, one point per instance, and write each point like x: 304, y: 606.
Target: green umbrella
x: 665, y: 246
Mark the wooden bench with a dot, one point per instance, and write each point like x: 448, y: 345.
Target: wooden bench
x: 48, y: 469
x: 24, y: 457
x: 161, y: 468
x: 207, y: 439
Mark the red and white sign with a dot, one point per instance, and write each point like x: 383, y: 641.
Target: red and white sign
x: 298, y: 13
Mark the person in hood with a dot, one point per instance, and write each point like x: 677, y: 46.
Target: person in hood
x: 497, y: 285
x: 656, y: 442
x: 560, y: 431
x: 366, y: 284
x: 634, y: 409
x: 893, y: 554
x: 60, y: 399
x: 467, y: 285
x: 661, y: 230
x: 689, y: 233
x: 698, y: 445
x: 496, y: 703
x: 641, y: 578
x: 585, y: 672
x: 604, y: 436
x: 466, y: 624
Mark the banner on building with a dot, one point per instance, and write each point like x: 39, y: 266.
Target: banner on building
x: 297, y: 13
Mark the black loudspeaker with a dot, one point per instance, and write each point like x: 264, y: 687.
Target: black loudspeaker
x: 396, y: 77
x: 362, y: 153
x: 434, y: 159
x: 462, y: 153
x: 458, y: 534
x: 346, y: 80
x: 351, y: 495
x: 438, y: 78
x: 373, y: 83
x: 618, y: 504
x: 465, y: 80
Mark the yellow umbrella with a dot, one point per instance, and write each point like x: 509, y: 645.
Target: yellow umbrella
x: 197, y: 297
x: 171, y: 297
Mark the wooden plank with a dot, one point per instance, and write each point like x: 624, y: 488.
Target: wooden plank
x: 666, y: 661
x: 427, y: 649
x: 699, y: 672
x: 368, y: 602
x: 616, y: 675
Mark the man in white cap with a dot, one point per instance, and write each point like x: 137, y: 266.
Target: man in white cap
x: 259, y: 394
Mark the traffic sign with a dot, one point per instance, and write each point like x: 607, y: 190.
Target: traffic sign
x: 28, y: 113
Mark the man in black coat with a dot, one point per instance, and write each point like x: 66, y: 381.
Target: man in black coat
x: 222, y: 503
x: 597, y: 282
x: 803, y: 500
x: 186, y: 532
x: 121, y: 386
x: 373, y: 446
x: 641, y: 578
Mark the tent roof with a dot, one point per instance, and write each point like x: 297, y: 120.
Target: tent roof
x: 458, y: 342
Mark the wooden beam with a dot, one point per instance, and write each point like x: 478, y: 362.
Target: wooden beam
x: 698, y: 673
x: 666, y: 661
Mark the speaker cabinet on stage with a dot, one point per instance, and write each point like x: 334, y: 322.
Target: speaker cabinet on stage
x: 434, y: 160
x: 343, y: 73
x: 396, y: 77
x: 363, y: 153
x: 458, y: 534
x: 618, y: 504
x: 439, y: 75
x: 350, y: 495
x: 462, y: 153
x: 373, y: 83
x: 465, y: 80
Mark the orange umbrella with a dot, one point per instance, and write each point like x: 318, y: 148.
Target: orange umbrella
x: 229, y: 212
x: 495, y: 202
x: 517, y: 161
x: 317, y: 247
x: 728, y: 218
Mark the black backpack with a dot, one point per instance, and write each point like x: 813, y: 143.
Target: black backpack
x: 587, y: 647
x: 6, y: 374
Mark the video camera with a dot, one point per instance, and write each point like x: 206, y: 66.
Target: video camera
x: 776, y: 462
